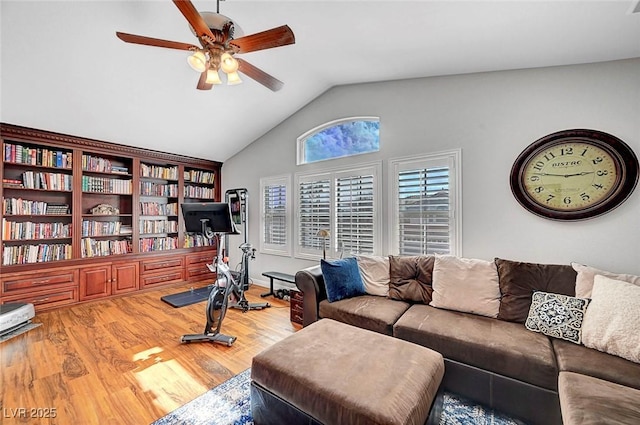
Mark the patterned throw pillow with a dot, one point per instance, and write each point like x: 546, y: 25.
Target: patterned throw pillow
x: 559, y: 316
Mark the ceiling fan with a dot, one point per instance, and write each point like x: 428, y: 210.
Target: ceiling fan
x: 215, y: 33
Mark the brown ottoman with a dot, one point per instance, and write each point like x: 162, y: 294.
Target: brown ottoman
x: 333, y: 373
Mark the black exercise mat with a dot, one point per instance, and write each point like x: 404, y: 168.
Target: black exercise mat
x: 189, y: 297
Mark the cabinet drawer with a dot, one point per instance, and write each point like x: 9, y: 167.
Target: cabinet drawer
x: 162, y: 278
x: 153, y: 266
x: 199, y: 272
x: 296, y: 316
x: 203, y: 257
x: 41, y: 280
x: 44, y: 300
x: 296, y: 296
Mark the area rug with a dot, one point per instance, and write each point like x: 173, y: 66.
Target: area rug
x: 19, y: 331
x: 229, y: 404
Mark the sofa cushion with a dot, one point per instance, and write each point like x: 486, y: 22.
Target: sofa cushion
x: 366, y: 311
x: 587, y: 400
x: 466, y: 284
x: 559, y: 316
x: 342, y: 278
x: 612, y: 321
x: 519, y: 280
x: 375, y: 274
x: 504, y: 348
x: 586, y: 275
x: 587, y: 361
x: 410, y: 278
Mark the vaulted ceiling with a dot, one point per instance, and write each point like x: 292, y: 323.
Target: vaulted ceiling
x: 64, y: 70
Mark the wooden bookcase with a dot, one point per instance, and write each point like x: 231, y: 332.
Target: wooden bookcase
x: 84, y: 219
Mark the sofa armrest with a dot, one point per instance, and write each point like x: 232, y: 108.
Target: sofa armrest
x: 311, y: 282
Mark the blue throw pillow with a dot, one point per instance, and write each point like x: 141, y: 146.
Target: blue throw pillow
x: 342, y: 278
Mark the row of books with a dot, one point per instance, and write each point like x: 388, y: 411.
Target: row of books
x: 100, y: 228
x: 191, y: 241
x: 46, y: 181
x: 12, y: 230
x: 196, y: 176
x: 158, y: 226
x: 198, y: 192
x: 16, y: 183
x: 19, y: 154
x: 101, y: 165
x: 19, y: 206
x: 158, y: 244
x: 158, y: 172
x: 106, y: 185
x: 156, y: 208
x: 29, y: 254
x: 158, y: 189
x: 100, y: 248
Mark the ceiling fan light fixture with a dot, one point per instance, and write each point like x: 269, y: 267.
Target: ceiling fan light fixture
x: 197, y: 61
x: 228, y: 63
x: 233, y: 78
x: 213, y: 77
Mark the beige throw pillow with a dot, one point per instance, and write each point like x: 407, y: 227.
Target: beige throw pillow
x: 375, y: 274
x: 612, y: 321
x: 467, y: 285
x: 584, y: 280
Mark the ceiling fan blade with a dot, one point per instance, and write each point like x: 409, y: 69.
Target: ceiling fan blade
x: 275, y: 37
x: 194, y: 18
x: 149, y: 41
x: 259, y: 75
x: 202, y: 82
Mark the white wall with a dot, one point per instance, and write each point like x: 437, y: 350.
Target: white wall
x: 491, y: 117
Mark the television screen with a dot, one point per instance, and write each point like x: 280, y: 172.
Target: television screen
x: 215, y: 216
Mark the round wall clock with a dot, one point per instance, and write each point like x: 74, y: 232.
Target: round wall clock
x: 574, y: 174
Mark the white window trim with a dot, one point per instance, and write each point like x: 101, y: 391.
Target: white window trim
x: 272, y: 249
x: 332, y: 174
x: 302, y: 138
x: 453, y: 158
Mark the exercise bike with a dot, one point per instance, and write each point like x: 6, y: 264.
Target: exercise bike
x: 217, y: 308
x: 224, y: 289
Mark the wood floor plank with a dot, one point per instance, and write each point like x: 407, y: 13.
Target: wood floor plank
x: 121, y: 361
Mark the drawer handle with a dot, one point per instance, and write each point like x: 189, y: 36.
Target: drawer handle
x: 41, y: 300
x: 41, y: 282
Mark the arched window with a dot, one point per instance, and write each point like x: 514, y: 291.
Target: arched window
x: 339, y: 138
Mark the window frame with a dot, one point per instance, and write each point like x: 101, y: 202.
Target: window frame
x: 374, y: 168
x: 300, y: 141
x: 273, y: 249
x: 451, y: 158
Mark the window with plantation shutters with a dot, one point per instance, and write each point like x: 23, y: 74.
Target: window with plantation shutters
x: 314, y: 212
x: 275, y: 213
x: 344, y: 202
x: 425, y: 203
x: 354, y: 213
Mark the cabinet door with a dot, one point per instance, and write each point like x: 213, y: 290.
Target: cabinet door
x: 125, y: 277
x: 95, y: 282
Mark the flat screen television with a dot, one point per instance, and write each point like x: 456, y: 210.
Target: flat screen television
x: 207, y: 218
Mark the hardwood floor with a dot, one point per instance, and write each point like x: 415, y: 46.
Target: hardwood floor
x: 120, y: 361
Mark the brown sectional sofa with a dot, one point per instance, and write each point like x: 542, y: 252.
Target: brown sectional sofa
x: 501, y: 364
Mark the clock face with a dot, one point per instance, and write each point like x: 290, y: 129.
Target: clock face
x: 570, y: 176
x: 574, y: 174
